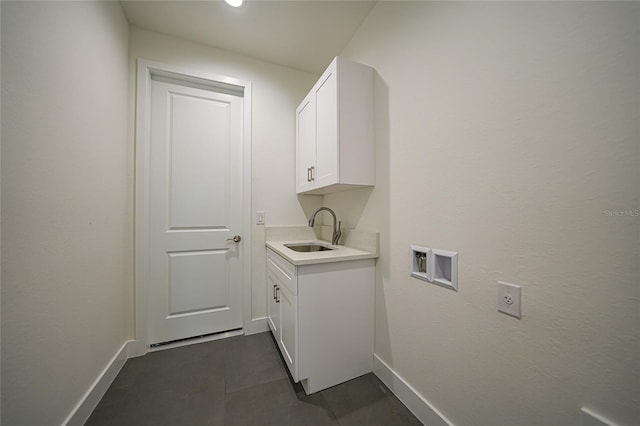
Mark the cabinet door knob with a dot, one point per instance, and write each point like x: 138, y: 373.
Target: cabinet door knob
x: 277, y: 294
x: 312, y: 169
x: 308, y: 174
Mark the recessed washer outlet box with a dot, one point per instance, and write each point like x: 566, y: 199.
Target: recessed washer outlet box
x: 444, y: 268
x: 420, y: 262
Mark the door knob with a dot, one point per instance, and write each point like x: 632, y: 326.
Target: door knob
x: 235, y: 239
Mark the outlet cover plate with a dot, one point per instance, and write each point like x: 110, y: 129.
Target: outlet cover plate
x: 509, y: 299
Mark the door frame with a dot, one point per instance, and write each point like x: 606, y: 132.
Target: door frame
x: 145, y: 71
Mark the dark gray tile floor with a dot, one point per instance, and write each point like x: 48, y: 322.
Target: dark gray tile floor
x: 237, y: 381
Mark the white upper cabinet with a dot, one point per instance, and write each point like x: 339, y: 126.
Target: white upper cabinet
x: 334, y: 131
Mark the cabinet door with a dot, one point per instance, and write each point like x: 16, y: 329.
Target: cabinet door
x: 326, y: 172
x: 305, y: 144
x: 273, y: 310
x: 288, y: 329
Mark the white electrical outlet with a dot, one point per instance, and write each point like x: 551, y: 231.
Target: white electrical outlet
x: 259, y: 218
x: 509, y: 299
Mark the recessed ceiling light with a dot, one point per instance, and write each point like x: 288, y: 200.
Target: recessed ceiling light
x: 235, y: 3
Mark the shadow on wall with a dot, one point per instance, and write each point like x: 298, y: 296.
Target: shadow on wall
x: 380, y: 201
x: 310, y: 203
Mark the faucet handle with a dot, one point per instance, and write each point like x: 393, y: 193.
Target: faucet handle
x: 337, y: 234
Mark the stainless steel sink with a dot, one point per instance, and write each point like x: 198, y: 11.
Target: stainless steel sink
x: 307, y: 247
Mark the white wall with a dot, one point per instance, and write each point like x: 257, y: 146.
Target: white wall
x: 67, y: 208
x: 505, y: 131
x: 276, y: 93
x: 0, y: 228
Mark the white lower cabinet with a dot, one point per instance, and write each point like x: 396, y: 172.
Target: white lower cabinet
x: 288, y: 325
x: 273, y: 308
x: 321, y: 316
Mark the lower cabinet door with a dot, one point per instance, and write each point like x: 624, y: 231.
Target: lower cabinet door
x: 273, y: 308
x: 288, y: 330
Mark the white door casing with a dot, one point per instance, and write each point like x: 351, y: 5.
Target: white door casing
x: 191, y: 197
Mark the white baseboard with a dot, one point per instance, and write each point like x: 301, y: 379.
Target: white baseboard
x: 136, y: 348
x: 255, y: 326
x: 416, y: 403
x: 98, y: 388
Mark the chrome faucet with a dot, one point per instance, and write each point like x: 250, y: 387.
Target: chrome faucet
x: 336, y: 229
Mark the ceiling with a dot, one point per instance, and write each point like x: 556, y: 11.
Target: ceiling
x: 301, y: 34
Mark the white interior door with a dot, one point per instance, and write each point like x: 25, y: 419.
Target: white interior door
x: 195, y: 270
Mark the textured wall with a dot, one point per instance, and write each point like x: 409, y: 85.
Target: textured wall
x: 508, y: 132
x: 67, y: 208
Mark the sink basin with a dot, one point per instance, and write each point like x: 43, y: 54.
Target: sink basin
x: 307, y: 247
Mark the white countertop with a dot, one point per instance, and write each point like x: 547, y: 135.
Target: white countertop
x: 337, y: 254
